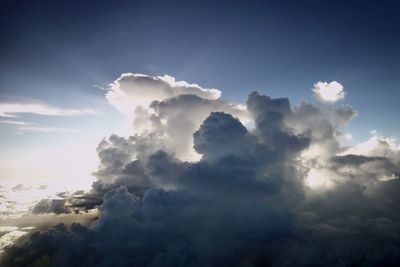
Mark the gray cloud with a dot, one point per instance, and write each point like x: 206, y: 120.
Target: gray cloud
x: 246, y: 200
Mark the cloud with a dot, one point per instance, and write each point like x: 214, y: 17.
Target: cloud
x: 20, y: 187
x: 283, y: 192
x: 168, y: 109
x: 39, y: 129
x: 26, y: 127
x: 329, y: 92
x: 131, y: 90
x: 344, y: 114
x: 15, y: 109
x: 19, y: 123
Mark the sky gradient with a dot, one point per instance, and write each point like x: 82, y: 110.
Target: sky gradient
x: 56, y: 52
x: 138, y: 104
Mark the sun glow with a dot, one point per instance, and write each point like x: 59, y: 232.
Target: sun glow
x: 67, y: 166
x: 317, y: 180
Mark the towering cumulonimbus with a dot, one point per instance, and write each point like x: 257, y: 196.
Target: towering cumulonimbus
x: 203, y: 182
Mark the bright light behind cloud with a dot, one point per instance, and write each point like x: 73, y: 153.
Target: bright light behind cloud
x: 8, y: 235
x: 67, y: 166
x: 317, y: 180
x: 375, y: 145
x: 288, y: 161
x: 132, y: 89
x: 329, y: 92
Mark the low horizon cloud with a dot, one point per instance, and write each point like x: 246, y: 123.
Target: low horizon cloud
x: 200, y: 181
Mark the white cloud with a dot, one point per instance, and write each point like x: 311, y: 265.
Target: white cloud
x: 377, y: 145
x: 26, y: 127
x: 35, y: 129
x: 10, y: 237
x: 329, y: 92
x: 14, y: 122
x: 13, y: 109
x: 131, y: 90
x: 162, y: 104
x: 348, y: 136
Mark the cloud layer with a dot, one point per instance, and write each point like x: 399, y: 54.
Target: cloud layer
x: 202, y: 182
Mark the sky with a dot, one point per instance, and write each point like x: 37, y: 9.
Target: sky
x: 61, y: 53
x: 77, y: 78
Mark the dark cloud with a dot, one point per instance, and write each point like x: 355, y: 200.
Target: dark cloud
x: 344, y: 114
x: 50, y: 205
x: 245, y: 202
x: 269, y: 115
x: 356, y: 160
x: 20, y: 187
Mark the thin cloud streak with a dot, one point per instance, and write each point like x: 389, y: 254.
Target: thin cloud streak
x: 12, y: 110
x: 14, y: 122
x: 36, y: 129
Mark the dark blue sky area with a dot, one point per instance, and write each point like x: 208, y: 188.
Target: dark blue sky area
x: 56, y: 50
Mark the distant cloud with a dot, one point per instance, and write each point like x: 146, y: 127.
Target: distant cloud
x: 20, y: 187
x: 14, y: 109
x: 14, y: 122
x: 26, y: 127
x: 329, y: 92
x: 37, y: 129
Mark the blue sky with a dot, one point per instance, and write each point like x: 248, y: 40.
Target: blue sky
x: 55, y: 52
x: 80, y: 142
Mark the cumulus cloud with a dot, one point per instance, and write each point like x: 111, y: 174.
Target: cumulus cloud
x: 170, y: 110
x: 329, y: 92
x: 131, y: 90
x: 196, y: 186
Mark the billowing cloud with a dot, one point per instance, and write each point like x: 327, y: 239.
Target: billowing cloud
x: 170, y: 110
x: 197, y: 186
x: 131, y: 90
x: 329, y: 92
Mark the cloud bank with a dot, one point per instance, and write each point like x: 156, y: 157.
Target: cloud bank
x: 203, y: 182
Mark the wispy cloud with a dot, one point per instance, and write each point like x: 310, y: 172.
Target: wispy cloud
x: 14, y: 122
x: 12, y: 110
x: 27, y: 127
x: 15, y: 110
x: 38, y: 129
